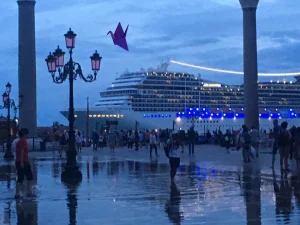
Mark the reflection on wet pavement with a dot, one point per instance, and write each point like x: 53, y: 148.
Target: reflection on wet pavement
x: 132, y: 192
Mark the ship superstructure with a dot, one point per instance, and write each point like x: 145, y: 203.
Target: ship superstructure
x: 154, y: 97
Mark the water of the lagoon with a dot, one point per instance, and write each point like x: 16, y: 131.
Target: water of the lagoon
x: 129, y: 192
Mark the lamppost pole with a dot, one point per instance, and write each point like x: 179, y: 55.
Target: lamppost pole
x: 71, y: 155
x: 7, y: 104
x: 72, y: 69
x: 8, y: 153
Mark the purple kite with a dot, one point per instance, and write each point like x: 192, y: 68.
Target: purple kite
x: 119, y: 37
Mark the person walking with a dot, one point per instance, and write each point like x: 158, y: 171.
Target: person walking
x: 153, y: 143
x: 276, y: 130
x: 95, y: 137
x: 147, y: 138
x: 181, y: 140
x: 245, y: 142
x: 63, y: 143
x: 254, y: 134
x: 191, y: 140
x: 112, y: 141
x: 130, y: 139
x: 227, y: 138
x: 136, y: 140
x: 23, y: 166
x: 101, y: 141
x: 284, y: 146
x: 55, y: 140
x: 79, y: 142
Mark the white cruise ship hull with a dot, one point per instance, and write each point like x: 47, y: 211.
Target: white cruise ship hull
x: 163, y: 120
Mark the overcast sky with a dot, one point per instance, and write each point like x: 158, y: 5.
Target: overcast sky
x: 201, y: 32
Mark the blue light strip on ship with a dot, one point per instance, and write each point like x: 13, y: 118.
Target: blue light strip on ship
x: 205, y: 113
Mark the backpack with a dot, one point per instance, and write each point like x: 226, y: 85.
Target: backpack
x: 283, y: 139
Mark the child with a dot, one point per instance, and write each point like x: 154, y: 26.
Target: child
x: 22, y: 165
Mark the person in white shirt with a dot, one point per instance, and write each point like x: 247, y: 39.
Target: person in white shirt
x: 153, y: 142
x: 79, y: 141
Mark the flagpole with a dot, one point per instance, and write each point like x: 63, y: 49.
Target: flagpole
x: 87, y: 122
x: 199, y: 77
x: 185, y: 95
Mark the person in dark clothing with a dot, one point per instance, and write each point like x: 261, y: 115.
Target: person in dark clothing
x: 136, y: 140
x: 245, y: 142
x: 181, y: 140
x: 191, y: 140
x: 208, y: 137
x: 293, y: 133
x: 276, y: 130
x: 284, y: 139
x: 227, y: 138
x: 95, y: 137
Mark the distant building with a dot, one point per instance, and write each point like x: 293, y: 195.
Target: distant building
x: 3, y: 129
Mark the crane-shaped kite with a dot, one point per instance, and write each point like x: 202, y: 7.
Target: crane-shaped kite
x: 119, y: 37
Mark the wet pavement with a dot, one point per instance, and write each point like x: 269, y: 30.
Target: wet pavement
x: 130, y: 188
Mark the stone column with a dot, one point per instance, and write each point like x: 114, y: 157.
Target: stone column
x: 250, y: 63
x: 27, y: 66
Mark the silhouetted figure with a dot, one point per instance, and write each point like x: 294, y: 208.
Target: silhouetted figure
x: 191, y: 140
x: 136, y: 140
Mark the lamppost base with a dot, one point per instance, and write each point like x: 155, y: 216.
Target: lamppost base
x: 9, y: 156
x: 71, y: 175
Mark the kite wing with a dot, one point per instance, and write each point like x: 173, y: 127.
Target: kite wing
x: 119, y: 31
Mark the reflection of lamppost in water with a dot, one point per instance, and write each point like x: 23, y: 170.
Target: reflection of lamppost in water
x: 71, y: 70
x: 9, y: 103
x: 72, y: 204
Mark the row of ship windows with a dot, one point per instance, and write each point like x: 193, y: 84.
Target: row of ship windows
x: 202, y: 101
x: 157, y: 116
x: 196, y: 89
x: 218, y: 104
x: 105, y: 115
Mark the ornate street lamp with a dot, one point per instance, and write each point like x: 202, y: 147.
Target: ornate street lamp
x: 71, y: 70
x: 9, y: 103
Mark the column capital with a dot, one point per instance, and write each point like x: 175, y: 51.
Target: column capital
x: 249, y: 4
x: 26, y: 2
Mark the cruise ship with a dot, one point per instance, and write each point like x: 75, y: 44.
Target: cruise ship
x: 159, y: 99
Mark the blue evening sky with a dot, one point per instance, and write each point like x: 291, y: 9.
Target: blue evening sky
x: 202, y: 32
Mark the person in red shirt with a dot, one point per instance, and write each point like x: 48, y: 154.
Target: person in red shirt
x: 22, y: 164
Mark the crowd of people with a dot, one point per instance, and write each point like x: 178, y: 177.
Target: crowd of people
x: 280, y: 139
x: 283, y: 140
x: 248, y: 140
